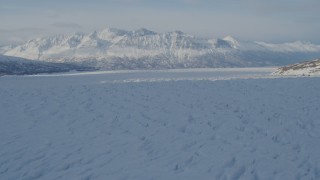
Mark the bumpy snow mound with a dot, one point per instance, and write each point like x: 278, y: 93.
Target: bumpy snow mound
x: 18, y: 66
x: 84, y: 127
x: 309, y: 68
x: 144, y: 49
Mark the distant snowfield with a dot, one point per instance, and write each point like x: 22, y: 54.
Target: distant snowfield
x: 181, y: 124
x: 168, y: 75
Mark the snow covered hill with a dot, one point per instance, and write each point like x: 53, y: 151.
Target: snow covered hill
x: 109, y: 126
x: 14, y: 65
x: 309, y: 68
x: 144, y: 49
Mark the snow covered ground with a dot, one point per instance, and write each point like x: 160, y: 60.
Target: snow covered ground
x: 181, y: 124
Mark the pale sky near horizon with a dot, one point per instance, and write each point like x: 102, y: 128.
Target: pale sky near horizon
x: 260, y: 20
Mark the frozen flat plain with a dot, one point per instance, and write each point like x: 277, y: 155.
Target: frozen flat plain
x: 177, y: 124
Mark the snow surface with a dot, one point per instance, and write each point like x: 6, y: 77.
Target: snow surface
x: 113, y: 126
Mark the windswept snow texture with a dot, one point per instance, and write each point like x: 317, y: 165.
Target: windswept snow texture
x: 102, y: 126
x: 144, y: 49
x: 309, y: 68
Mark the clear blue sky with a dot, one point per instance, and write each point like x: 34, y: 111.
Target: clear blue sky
x: 261, y: 20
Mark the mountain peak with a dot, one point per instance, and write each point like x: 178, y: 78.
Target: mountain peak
x: 109, y: 34
x: 113, y: 30
x: 234, y: 43
x: 177, y: 32
x: 220, y: 43
x: 143, y: 32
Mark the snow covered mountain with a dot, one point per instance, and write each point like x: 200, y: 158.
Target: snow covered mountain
x: 144, y: 49
x: 308, y: 68
x: 14, y: 65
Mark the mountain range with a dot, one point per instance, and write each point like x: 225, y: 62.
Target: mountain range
x: 145, y: 49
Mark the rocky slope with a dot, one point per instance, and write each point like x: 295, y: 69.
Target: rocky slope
x: 309, y: 68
